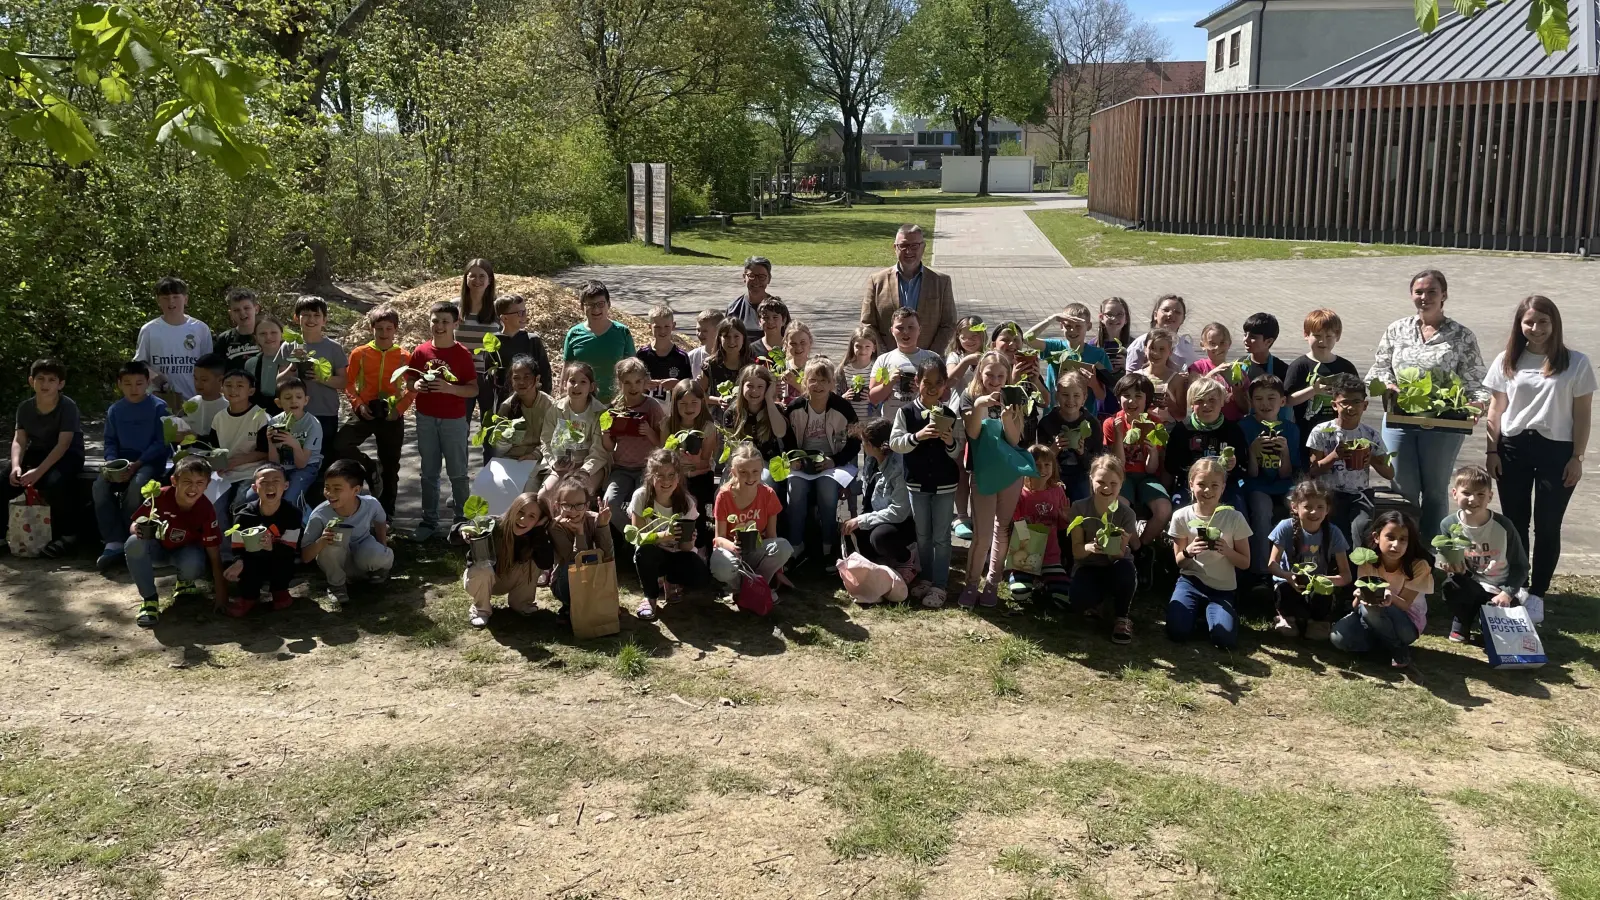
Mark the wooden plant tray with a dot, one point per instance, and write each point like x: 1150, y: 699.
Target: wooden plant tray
x: 1428, y: 423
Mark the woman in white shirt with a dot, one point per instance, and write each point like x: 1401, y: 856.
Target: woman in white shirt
x: 1538, y: 426
x: 1170, y: 312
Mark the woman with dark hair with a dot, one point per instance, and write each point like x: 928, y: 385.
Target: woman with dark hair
x: 1432, y: 342
x: 477, y: 319
x: 1538, y: 423
x: 746, y: 308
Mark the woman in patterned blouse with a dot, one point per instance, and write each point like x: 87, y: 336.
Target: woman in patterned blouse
x: 1430, y: 341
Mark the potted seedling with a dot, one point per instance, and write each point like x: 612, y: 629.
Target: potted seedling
x: 309, y: 367
x: 1454, y: 402
x: 1371, y: 590
x: 807, y: 463
x: 152, y: 526
x: 1205, y: 531
x: 279, y: 424
x: 173, y: 428
x: 378, y: 407
x: 777, y: 359
x: 778, y: 466
x: 436, y: 372
x: 656, y: 527
x: 1453, y: 545
x: 746, y: 536
x: 1270, y: 458
x: 117, y: 471
x: 1319, y: 399
x: 499, y: 432
x: 1076, y: 435
x: 858, y: 385
x: 1147, y: 430
x: 621, y: 422
x: 905, y: 382
x: 1108, y: 537
x: 340, y: 529
x: 725, y: 390
x: 491, y: 354
x: 689, y: 441
x: 1227, y: 456
x: 1357, y: 453
x: 479, y: 530
x: 255, y: 538
x: 943, y: 420
x: 1237, y: 370
x: 1015, y: 394
x: 1309, y: 582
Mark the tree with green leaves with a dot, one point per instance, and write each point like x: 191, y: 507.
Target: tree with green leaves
x: 784, y: 100
x: 978, y: 58
x: 1546, y: 18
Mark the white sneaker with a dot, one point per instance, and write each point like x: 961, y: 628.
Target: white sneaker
x: 934, y: 598
x: 1535, y: 607
x: 477, y: 619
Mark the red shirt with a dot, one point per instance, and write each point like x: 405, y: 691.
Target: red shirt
x: 195, y: 525
x: 458, y: 359
x: 760, y: 511
x: 1136, y: 456
x: 1044, y: 508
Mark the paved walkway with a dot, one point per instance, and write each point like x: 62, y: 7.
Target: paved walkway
x: 993, y: 237
x: 1368, y: 292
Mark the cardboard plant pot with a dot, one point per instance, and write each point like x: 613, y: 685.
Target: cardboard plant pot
x: 117, y: 471
x: 1112, y: 546
x: 342, y: 532
x: 254, y: 539
x: 942, y: 420
x: 1454, y: 556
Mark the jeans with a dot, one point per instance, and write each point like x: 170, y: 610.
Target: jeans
x: 1188, y: 595
x: 1466, y: 597
x: 683, y: 568
x: 1531, y: 471
x: 144, y: 555
x: 1116, y: 583
x: 933, y: 515
x: 1265, y: 510
x: 1423, y: 463
x: 442, y: 440
x: 363, y: 558
x: 767, y: 562
x: 824, y: 492
x: 390, y: 436
x: 114, y: 514
x: 1385, y: 628
x: 620, y: 486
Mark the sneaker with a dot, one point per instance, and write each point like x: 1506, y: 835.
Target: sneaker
x: 111, y: 556
x: 919, y: 589
x: 968, y: 598
x: 647, y: 610
x: 934, y: 598
x: 1401, y: 658
x: 424, y: 533
x: 477, y: 619
x: 1458, y: 635
x: 378, y: 578
x: 182, y: 588
x: 149, y: 611
x: 282, y: 600
x: 239, y: 607
x: 336, y: 598
x: 1122, y: 632
x: 1285, y: 627
x: 963, y: 530
x: 1319, y: 631
x: 988, y: 599
x: 1534, y: 604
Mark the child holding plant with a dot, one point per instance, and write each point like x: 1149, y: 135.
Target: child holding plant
x: 327, y: 376
x: 240, y: 429
x: 1073, y: 432
x: 1308, y: 376
x: 377, y: 403
x: 1027, y: 369
x: 133, y: 440
x: 966, y: 347
x: 570, y: 430
x: 931, y: 446
x: 722, y: 368
x: 1215, y: 342
x: 202, y: 408
x: 664, y: 518
x: 1203, y: 434
x: 856, y: 372
x: 347, y: 535
x: 1211, y: 543
x: 1042, y: 505
x: 823, y: 425
x: 1112, y: 335
x: 694, y: 436
x: 443, y: 374
x: 994, y: 433
x: 1341, y: 452
x: 1103, y: 533
x: 743, y: 505
x: 797, y: 342
x: 634, y: 433
x: 757, y: 417
x: 895, y: 371
x: 1071, y: 350
x: 575, y: 528
x: 885, y: 531
x: 774, y: 316
x: 1309, y: 565
x: 1481, y: 551
x: 1137, y: 441
x: 294, y: 441
x: 175, y: 525
x: 1169, y: 314
x: 665, y: 362
x: 526, y: 405
x: 1271, y: 463
x: 264, y: 536
x: 1161, y: 368
x: 1391, y: 592
x: 521, y: 545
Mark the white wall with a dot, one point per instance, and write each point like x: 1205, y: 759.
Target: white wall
x: 1236, y: 77
x: 1012, y: 174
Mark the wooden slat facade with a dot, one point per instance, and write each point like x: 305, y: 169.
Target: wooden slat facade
x: 1506, y: 165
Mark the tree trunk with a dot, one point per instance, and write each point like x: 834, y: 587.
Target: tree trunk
x: 964, y: 131
x: 983, y: 166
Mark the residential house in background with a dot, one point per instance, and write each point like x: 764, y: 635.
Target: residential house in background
x: 1276, y: 43
x: 922, y: 147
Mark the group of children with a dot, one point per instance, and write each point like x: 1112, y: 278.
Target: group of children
x: 1069, y: 463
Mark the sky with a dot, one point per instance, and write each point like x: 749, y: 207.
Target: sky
x: 1175, y: 19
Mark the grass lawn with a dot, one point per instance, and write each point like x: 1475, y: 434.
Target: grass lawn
x: 825, y: 236
x: 1087, y: 242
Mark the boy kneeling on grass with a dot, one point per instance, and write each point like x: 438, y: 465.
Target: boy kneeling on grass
x: 348, y: 534
x: 272, y: 563
x: 186, y: 537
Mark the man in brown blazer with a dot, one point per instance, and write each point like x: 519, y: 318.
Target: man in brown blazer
x: 909, y: 283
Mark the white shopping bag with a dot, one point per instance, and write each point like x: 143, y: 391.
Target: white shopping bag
x: 499, y: 482
x: 28, y: 525
x: 1509, y: 638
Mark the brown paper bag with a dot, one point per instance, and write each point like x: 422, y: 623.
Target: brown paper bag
x: 592, y: 583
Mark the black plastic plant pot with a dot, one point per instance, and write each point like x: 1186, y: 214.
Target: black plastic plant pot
x: 683, y: 530
x: 1211, y: 536
x: 749, y: 543
x: 379, y: 408
x: 305, y: 370
x: 286, y: 456
x: 146, y: 531
x: 693, y: 443
x: 1013, y: 395
x: 480, y: 547
x: 1458, y: 415
x: 1300, y: 581
x: 342, y: 532
x: 905, y: 383
x: 1368, y: 596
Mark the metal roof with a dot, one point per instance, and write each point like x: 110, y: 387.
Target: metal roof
x: 1495, y: 43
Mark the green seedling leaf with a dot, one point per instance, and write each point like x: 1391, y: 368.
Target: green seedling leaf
x: 475, y: 507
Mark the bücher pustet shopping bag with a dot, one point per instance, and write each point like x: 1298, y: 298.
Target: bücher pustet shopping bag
x: 1510, y: 639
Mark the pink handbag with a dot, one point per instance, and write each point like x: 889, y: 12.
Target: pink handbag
x: 868, y: 582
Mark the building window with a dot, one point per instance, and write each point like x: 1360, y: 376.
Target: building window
x: 1222, y: 47
x: 1233, y: 50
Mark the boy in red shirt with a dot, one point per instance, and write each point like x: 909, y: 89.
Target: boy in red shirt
x: 1140, y: 459
x: 442, y: 413
x: 187, y: 538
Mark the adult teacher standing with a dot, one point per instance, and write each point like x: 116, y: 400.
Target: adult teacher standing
x: 746, y: 308
x: 1432, y: 342
x: 910, y: 284
x: 1538, y: 426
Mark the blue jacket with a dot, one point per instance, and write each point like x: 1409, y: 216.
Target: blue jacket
x: 133, y: 431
